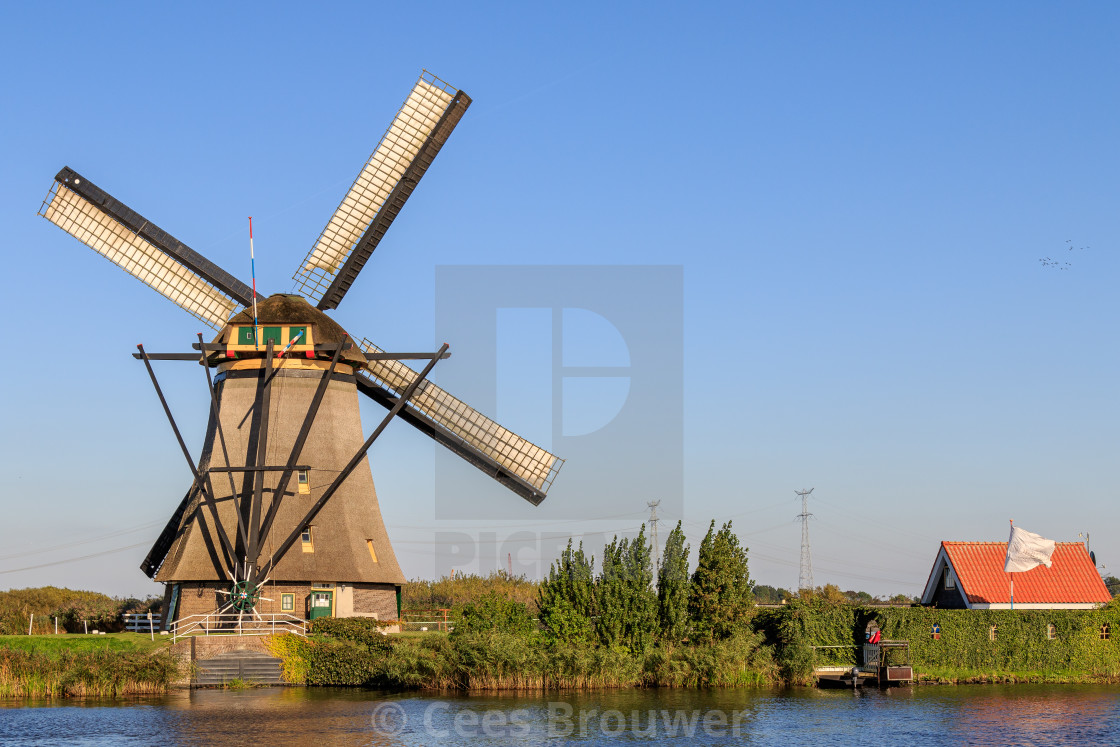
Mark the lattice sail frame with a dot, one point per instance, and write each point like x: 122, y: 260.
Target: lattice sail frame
x: 83, y: 220
x: 519, y: 457
x: 395, y: 152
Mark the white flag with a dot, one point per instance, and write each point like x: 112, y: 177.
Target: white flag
x: 1025, y: 550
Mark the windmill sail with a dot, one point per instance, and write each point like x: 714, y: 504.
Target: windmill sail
x: 142, y: 249
x: 524, y: 467
x: 166, y: 538
x: 403, y: 155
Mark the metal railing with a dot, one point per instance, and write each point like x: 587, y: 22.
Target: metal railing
x: 142, y: 623
x: 233, y: 623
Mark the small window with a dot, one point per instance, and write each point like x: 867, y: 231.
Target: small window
x: 245, y: 335
x: 287, y: 602
x: 1051, y: 631
x: 950, y: 581
x: 992, y: 633
x: 304, y: 480
x: 1104, y: 632
x: 372, y: 552
x: 308, y: 545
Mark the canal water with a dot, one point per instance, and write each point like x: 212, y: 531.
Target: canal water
x: 930, y: 715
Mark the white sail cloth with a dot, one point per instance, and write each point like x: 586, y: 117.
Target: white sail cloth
x: 1026, y: 550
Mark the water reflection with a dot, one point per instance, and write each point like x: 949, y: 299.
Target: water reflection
x: 1022, y: 714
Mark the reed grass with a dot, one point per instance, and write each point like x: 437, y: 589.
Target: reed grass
x: 492, y: 661
x: 37, y: 674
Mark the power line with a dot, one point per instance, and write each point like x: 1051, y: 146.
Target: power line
x: 82, y: 557
x: 99, y: 538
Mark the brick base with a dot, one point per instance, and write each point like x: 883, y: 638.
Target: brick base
x: 350, y: 600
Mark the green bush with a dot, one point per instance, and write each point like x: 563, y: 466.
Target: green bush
x: 493, y: 612
x: 455, y: 592
x: 361, y: 630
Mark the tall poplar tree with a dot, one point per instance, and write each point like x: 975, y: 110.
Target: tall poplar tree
x: 641, y: 620
x: 673, y: 588
x: 720, y: 598
x: 610, y: 594
x: 624, y: 598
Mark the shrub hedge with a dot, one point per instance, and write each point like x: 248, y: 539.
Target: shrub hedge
x: 964, y: 647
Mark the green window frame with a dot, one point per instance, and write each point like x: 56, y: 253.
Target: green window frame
x: 244, y: 335
x: 287, y: 602
x: 271, y: 333
x: 293, y: 331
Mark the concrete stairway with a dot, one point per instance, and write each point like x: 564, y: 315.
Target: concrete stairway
x: 249, y: 666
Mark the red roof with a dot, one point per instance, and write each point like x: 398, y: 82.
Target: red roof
x: 1072, y: 577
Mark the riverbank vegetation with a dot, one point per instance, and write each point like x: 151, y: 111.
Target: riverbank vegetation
x: 631, y: 625
x: 63, y: 666
x: 581, y: 630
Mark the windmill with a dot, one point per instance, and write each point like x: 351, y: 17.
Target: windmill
x: 282, y: 497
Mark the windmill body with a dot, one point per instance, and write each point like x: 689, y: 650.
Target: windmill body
x: 282, y: 516
x: 347, y: 549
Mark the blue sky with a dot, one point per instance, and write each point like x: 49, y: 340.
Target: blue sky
x: 858, y: 195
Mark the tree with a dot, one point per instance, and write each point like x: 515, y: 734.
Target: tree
x: 641, y: 622
x: 673, y: 588
x: 610, y: 594
x: 720, y: 598
x: 624, y: 599
x: 764, y: 594
x: 566, y: 598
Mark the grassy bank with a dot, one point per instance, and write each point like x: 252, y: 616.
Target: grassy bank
x: 110, y: 642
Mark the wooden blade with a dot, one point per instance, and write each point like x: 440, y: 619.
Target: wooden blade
x: 402, y: 157
x: 142, y: 249
x: 519, y: 464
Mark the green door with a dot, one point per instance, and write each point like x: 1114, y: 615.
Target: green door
x: 322, y: 604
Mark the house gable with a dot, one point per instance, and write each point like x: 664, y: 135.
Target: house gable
x: 943, y: 588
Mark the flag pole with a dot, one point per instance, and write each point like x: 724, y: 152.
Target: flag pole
x: 253, y: 269
x: 1012, y: 574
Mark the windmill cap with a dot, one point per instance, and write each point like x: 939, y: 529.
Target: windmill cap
x: 287, y: 309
